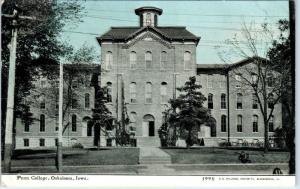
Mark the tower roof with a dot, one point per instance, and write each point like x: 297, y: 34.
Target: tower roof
x: 140, y: 10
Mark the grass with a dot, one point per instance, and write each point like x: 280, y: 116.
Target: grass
x: 215, y: 155
x: 112, y: 156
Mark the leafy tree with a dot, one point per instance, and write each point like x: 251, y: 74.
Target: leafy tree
x: 188, y: 112
x: 38, y: 43
x: 101, y: 114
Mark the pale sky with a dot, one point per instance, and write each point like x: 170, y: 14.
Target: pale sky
x: 213, y: 21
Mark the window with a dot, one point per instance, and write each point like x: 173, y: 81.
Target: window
x: 74, y: 123
x: 26, y: 142
x: 109, y: 60
x: 42, y: 142
x: 210, y: 102
x: 109, y: 91
x: 163, y: 92
x: 133, y: 93
x: 26, y: 126
x: 270, y: 80
x: 239, y: 101
x: 148, y: 92
x: 132, y: 59
x: 74, y: 84
x: 223, y: 123
x: 254, y: 101
x: 56, y: 83
x: 148, y: 60
x: 87, y: 100
x: 254, y: 78
x: 148, y: 19
x: 43, y: 83
x: 187, y: 57
x: 42, y: 123
x: 255, y: 123
x: 271, y: 124
x: 270, y: 101
x: 209, y: 81
x: 42, y: 102
x: 56, y: 100
x: 163, y: 60
x: 56, y: 142
x: 87, y: 82
x: 238, y: 80
x: 74, y: 103
x: 223, y: 101
x: 239, y: 123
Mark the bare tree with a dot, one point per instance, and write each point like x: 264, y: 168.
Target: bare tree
x: 259, y: 76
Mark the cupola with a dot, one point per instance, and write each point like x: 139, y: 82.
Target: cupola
x: 148, y: 15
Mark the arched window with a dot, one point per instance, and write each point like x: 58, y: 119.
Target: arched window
x: 132, y: 91
x: 148, y: 60
x: 163, y: 92
x: 239, y: 101
x: 223, y: 101
x: 270, y: 80
x: 270, y: 100
x: 42, y: 101
x: 42, y: 123
x: 254, y: 101
x: 223, y: 123
x: 255, y: 123
x: 210, y: 102
x: 87, y: 100
x: 109, y: 60
x: 239, y: 123
x: 163, y: 60
x: 74, y: 123
x: 271, y: 124
x: 148, y: 92
x: 187, y: 60
x: 109, y: 92
x: 132, y: 59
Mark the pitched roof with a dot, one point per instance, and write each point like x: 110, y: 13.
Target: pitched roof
x: 171, y: 33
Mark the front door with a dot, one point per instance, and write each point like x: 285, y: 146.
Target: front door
x: 151, y: 128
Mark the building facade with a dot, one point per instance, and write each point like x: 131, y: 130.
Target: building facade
x: 142, y: 67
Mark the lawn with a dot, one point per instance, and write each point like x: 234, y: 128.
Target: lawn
x: 215, y: 155
x: 112, y: 156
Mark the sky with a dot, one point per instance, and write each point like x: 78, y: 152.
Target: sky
x: 213, y: 21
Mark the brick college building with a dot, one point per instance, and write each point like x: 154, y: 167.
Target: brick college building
x: 142, y: 66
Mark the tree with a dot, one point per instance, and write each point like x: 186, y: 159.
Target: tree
x: 261, y: 77
x: 282, y: 54
x: 38, y: 43
x: 77, y: 74
x: 188, y: 112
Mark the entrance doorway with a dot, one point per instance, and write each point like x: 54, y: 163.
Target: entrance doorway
x: 148, y: 127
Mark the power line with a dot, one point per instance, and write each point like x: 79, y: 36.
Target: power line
x: 190, y: 14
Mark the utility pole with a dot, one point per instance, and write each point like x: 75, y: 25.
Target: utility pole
x: 60, y: 118
x: 8, y: 146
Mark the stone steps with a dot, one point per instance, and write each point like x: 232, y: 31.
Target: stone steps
x: 151, y: 155
x: 148, y: 142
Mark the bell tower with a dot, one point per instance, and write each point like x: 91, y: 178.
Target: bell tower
x: 148, y: 16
